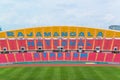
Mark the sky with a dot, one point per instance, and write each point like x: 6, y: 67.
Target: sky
x: 16, y: 14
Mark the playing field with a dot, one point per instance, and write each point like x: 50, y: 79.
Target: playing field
x: 60, y: 73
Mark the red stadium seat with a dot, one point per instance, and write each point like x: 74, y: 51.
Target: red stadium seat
x: 13, y: 47
x: 83, y: 56
x: 100, y: 57
x: 39, y: 42
x: 31, y: 44
x: 3, y: 44
x: 117, y: 58
x: 75, y: 56
x: 11, y: 57
x: 44, y: 56
x: 60, y: 56
x: 19, y: 57
x: 89, y: 44
x: 92, y: 56
x: 109, y: 57
x: 98, y: 43
x: 64, y: 43
x: 116, y: 43
x: 52, y: 56
x: 80, y: 42
x: 107, y: 44
x: 72, y: 44
x: 22, y: 43
x: 56, y: 43
x: 36, y: 56
x: 68, y: 56
x: 3, y: 58
x: 48, y: 43
x: 28, y: 57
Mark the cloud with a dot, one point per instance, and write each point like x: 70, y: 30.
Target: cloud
x: 15, y: 14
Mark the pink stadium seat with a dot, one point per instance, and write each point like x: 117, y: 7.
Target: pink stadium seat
x: 39, y: 42
x: 91, y: 56
x: 19, y: 57
x: 48, y: 43
x: 72, y: 44
x: 80, y: 42
x: 31, y: 44
x: 52, y: 56
x: 89, y: 44
x: 44, y: 56
x: 3, y: 44
x: 107, y: 44
x: 116, y: 43
x: 22, y: 43
x: 109, y: 57
x: 117, y: 58
x: 98, y: 43
x: 100, y: 57
x: 56, y: 42
x: 64, y: 43
x: 13, y: 47
x: 28, y: 57
x: 60, y: 56
x: 11, y: 57
x: 68, y: 56
x: 36, y: 56
x: 3, y: 58
x: 75, y: 56
x: 83, y: 56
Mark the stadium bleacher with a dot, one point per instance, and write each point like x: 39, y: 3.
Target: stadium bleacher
x: 67, y: 47
x: 16, y: 44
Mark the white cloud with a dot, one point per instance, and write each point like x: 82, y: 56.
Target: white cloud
x: 26, y: 13
x: 109, y: 17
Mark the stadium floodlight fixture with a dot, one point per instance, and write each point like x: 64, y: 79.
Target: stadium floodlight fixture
x: 80, y: 49
x: 97, y: 49
x: 4, y: 49
x: 40, y: 49
x: 60, y: 48
x: 22, y: 49
x: 115, y: 50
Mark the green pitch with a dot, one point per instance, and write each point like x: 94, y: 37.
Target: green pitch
x: 60, y: 73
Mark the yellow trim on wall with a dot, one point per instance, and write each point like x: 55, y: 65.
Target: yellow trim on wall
x: 58, y: 29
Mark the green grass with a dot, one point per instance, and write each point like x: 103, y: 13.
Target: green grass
x: 60, y: 73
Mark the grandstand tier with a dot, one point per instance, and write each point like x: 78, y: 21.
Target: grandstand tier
x: 61, y: 56
x: 59, y: 43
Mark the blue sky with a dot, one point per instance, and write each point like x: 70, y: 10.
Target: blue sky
x: 16, y: 14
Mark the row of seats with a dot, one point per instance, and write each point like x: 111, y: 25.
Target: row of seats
x: 61, y: 56
x: 103, y: 44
